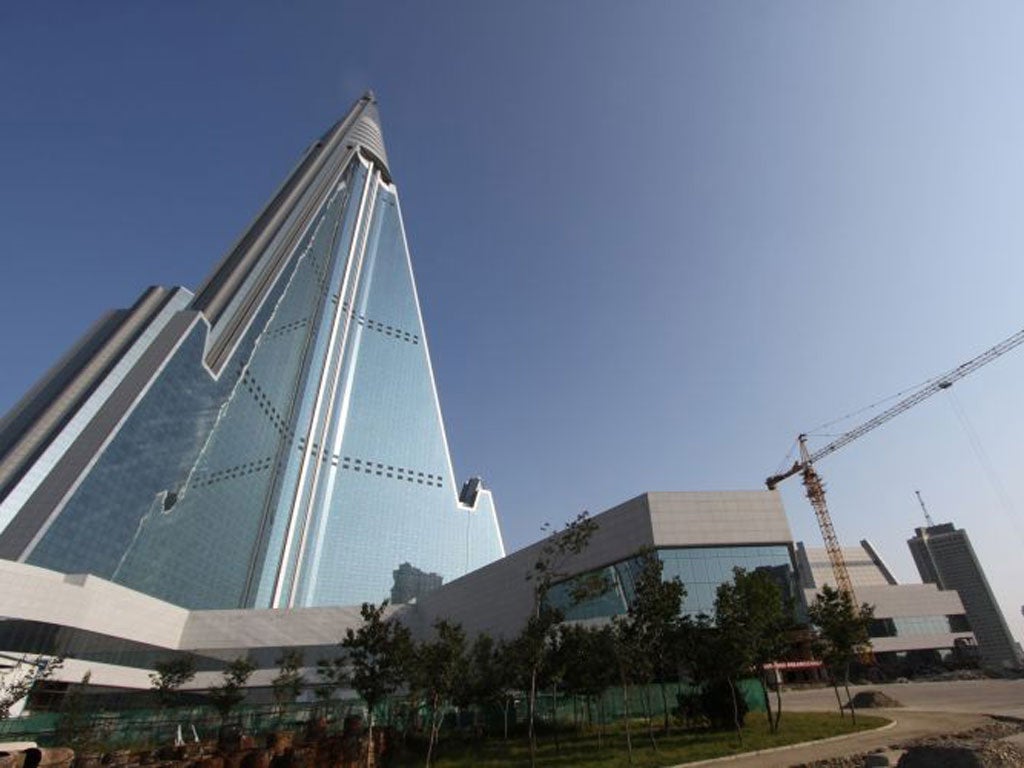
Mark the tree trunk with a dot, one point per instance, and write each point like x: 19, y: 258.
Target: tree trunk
x: 767, y: 703
x: 839, y: 701
x: 507, y: 699
x: 369, y: 740
x: 735, y: 711
x: 650, y: 718
x: 778, y: 704
x: 532, y: 708
x: 433, y: 730
x: 625, y: 707
x: 849, y: 700
x: 664, y: 706
x: 554, y: 717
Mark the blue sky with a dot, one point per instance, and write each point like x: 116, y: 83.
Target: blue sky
x: 653, y: 241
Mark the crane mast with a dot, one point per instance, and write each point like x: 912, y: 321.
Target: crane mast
x: 815, y: 488
x: 927, y: 517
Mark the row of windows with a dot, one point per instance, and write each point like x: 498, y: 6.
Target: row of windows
x: 909, y: 626
x: 376, y: 325
x: 387, y: 330
x: 379, y: 469
x: 239, y: 470
x: 286, y: 328
x: 263, y: 401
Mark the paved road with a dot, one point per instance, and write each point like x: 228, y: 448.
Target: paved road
x: 993, y: 697
x: 928, y: 709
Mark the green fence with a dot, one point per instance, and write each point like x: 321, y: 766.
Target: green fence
x: 131, y: 727
x: 150, y: 726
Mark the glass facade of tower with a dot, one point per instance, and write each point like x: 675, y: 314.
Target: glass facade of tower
x: 312, y: 465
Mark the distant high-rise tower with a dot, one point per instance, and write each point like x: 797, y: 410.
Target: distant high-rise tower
x: 275, y: 439
x: 944, y: 556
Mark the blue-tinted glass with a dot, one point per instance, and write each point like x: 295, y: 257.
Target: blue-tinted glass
x: 317, y: 451
x: 388, y: 496
x: 701, y: 569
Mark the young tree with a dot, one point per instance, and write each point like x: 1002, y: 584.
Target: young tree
x: 507, y: 661
x: 548, y: 569
x: 654, y: 615
x: 442, y: 668
x: 231, y: 692
x: 752, y: 607
x: 716, y: 657
x: 628, y: 659
x: 842, y: 635
x: 331, y: 674
x: 16, y: 683
x: 168, y: 677
x: 75, y: 726
x: 288, y: 684
x: 377, y: 656
x: 589, y: 665
x: 489, y: 679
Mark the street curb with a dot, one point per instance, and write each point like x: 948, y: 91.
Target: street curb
x: 717, y: 760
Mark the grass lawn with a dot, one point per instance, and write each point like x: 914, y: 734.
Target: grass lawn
x: 681, y: 747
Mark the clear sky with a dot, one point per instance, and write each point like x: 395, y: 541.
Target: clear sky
x: 653, y: 241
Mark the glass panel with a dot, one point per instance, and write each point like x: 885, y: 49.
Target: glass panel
x: 701, y: 569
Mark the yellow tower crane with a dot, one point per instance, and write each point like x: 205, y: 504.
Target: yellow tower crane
x: 813, y: 484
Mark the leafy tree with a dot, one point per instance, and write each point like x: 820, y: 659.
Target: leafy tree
x: 628, y: 659
x: 15, y: 683
x: 490, y: 681
x: 589, y: 665
x: 331, y: 674
x: 716, y: 657
x: 654, y: 616
x: 507, y: 662
x: 288, y: 684
x: 231, y: 692
x: 548, y: 569
x: 752, y: 608
x: 168, y: 677
x: 377, y: 655
x: 442, y: 668
x: 842, y: 635
x: 75, y: 725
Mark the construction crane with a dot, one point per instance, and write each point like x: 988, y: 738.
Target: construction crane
x: 815, y: 488
x: 927, y: 517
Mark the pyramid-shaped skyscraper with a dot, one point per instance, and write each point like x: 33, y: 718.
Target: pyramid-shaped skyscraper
x: 275, y: 439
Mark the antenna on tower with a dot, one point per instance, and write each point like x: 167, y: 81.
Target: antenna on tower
x: 927, y: 517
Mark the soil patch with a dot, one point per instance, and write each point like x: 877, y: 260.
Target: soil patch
x: 874, y: 700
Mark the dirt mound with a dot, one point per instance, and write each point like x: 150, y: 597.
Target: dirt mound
x: 874, y: 700
x: 994, y: 754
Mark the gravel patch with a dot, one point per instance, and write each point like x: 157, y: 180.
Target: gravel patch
x: 981, y: 747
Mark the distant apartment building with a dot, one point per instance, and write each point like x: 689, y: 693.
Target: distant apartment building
x: 944, y: 557
x: 916, y: 625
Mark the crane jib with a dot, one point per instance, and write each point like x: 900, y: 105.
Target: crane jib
x: 815, y: 489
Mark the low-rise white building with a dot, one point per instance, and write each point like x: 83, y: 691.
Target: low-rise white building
x: 916, y: 625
